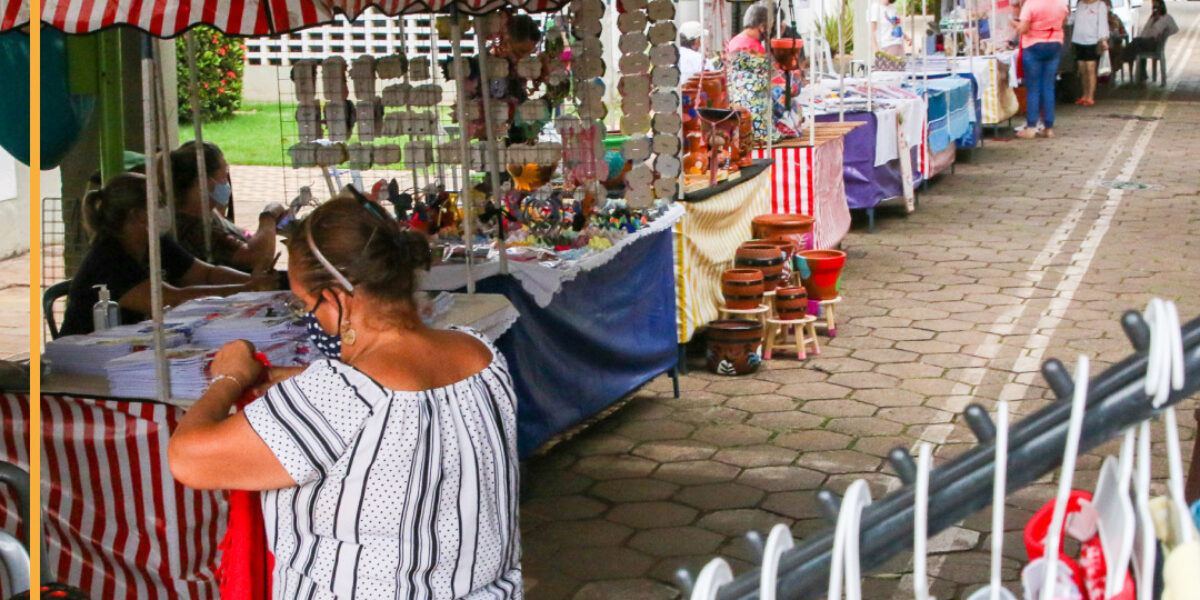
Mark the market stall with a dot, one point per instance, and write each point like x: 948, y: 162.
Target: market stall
x: 951, y: 118
x: 105, y: 453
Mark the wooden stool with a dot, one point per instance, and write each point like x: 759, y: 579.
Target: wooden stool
x: 760, y: 314
x: 827, y: 307
x: 769, y: 301
x: 804, y: 333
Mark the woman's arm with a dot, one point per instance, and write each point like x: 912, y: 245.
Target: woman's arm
x: 138, y: 297
x: 211, y: 449
x: 202, y: 273
x: 259, y: 250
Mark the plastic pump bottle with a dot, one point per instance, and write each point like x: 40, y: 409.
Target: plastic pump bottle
x: 106, y: 314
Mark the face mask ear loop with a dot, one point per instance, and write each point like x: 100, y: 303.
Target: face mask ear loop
x: 339, y: 305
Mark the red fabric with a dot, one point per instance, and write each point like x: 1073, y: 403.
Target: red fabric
x: 1091, y: 556
x: 1038, y: 529
x: 246, y: 563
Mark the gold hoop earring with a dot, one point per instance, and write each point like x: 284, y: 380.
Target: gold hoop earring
x: 348, y: 334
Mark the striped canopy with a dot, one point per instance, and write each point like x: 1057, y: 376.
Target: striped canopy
x: 168, y: 18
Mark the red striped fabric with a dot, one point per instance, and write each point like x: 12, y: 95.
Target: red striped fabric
x: 116, y: 524
x: 168, y: 18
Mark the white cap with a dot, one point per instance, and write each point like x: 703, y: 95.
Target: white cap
x: 691, y: 30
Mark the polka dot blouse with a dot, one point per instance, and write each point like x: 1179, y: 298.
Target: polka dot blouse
x: 400, y: 494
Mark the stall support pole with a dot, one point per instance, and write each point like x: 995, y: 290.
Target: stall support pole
x: 434, y: 52
x: 198, y: 131
x: 841, y: 17
x: 149, y: 129
x: 492, y: 150
x: 457, y: 67
x: 160, y: 96
x: 112, y: 115
x: 786, y: 81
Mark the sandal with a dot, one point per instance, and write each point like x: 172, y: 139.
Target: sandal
x: 1046, y: 133
x: 1027, y: 134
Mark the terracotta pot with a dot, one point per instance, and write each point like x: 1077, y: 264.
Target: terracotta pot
x: 745, y: 138
x: 789, y: 251
x: 785, y: 51
x: 820, y: 271
x: 734, y: 346
x: 712, y: 87
x: 742, y: 288
x: 791, y: 303
x: 764, y: 257
x: 791, y: 227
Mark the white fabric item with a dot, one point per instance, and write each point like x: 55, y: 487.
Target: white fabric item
x: 883, y: 16
x: 1091, y: 23
x: 692, y: 62
x: 398, y: 493
x: 540, y: 280
x: 885, y: 136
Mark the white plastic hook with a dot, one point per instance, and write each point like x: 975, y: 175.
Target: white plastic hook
x: 714, y: 575
x: 1144, y: 566
x: 921, y: 523
x: 1164, y: 372
x: 778, y: 541
x: 845, y: 564
x: 1074, y: 430
x: 995, y: 590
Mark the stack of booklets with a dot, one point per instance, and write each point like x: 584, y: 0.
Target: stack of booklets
x: 135, y: 376
x: 87, y: 354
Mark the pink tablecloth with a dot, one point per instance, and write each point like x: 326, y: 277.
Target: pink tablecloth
x: 808, y: 180
x: 117, y: 525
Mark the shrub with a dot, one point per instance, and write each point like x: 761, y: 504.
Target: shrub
x: 219, y: 67
x: 830, y: 30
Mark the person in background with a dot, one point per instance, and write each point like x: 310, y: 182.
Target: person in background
x: 753, y: 37
x: 748, y: 69
x: 231, y: 246
x: 690, y: 59
x: 1090, y: 39
x: 886, y: 34
x: 118, y: 257
x: 1155, y: 32
x: 389, y: 472
x: 1041, y: 29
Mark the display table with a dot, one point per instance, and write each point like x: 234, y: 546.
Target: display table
x: 868, y: 184
x: 806, y: 179
x: 952, y: 116
x: 706, y: 239
x: 995, y: 78
x: 116, y: 523
x: 607, y: 329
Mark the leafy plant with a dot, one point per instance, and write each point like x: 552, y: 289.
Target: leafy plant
x: 830, y: 30
x: 220, y: 62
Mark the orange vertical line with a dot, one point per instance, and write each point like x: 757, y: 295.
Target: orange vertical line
x: 35, y: 305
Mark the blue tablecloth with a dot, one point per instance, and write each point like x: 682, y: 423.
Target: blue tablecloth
x: 609, y: 331
x: 866, y: 184
x: 952, y: 111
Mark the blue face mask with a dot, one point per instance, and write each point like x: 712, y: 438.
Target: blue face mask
x: 329, y: 345
x: 221, y: 193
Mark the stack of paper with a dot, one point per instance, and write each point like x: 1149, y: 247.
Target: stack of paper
x: 87, y: 354
x: 134, y: 376
x: 260, y: 331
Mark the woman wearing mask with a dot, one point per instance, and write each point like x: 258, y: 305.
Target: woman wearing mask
x: 116, y: 217
x: 231, y: 246
x: 1155, y: 32
x: 1089, y: 37
x: 1041, y: 29
x: 389, y: 471
x: 748, y: 68
x: 886, y: 34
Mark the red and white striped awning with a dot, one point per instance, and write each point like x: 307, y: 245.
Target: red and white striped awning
x: 13, y: 13
x: 168, y: 18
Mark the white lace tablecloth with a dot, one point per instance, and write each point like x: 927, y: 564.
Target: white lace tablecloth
x: 541, y: 280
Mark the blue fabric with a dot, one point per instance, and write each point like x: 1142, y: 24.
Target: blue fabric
x: 1041, y: 68
x: 950, y: 113
x: 608, y: 332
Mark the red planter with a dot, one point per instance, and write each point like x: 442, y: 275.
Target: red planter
x: 734, y: 346
x: 742, y: 288
x: 791, y: 303
x: 820, y: 272
x: 764, y: 257
x: 790, y: 227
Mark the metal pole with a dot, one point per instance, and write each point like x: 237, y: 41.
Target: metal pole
x: 411, y: 165
x: 492, y: 149
x: 841, y: 18
x: 434, y: 51
x: 112, y: 115
x: 168, y: 175
x: 149, y: 115
x: 464, y: 143
x: 198, y: 131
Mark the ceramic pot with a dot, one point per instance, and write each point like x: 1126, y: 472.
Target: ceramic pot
x: 745, y: 138
x: 791, y: 303
x: 734, y: 346
x: 712, y: 88
x: 820, y: 272
x: 785, y: 226
x: 764, y: 257
x: 742, y: 288
x: 788, y: 251
x: 785, y: 51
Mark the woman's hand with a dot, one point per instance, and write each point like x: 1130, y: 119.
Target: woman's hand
x: 236, y: 360
x: 262, y: 281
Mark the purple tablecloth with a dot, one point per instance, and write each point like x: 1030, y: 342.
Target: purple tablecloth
x: 866, y: 184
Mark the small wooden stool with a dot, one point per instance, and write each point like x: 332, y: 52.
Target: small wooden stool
x: 827, y: 307
x: 760, y: 314
x: 769, y: 301
x: 804, y: 332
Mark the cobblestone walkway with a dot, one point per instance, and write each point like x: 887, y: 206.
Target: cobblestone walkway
x: 1019, y: 257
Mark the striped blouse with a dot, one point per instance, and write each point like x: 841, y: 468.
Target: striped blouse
x: 400, y: 494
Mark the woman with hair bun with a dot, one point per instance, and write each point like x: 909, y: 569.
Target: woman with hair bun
x: 116, y: 217
x: 389, y: 469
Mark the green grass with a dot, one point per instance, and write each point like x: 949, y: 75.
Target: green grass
x: 253, y: 136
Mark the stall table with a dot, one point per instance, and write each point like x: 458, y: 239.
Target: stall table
x: 867, y: 183
x: 806, y: 178
x: 105, y: 456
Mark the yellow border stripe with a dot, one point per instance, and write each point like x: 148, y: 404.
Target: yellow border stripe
x: 35, y: 300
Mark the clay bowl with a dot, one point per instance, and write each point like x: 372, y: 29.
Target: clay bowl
x: 820, y: 272
x: 734, y: 346
x: 742, y: 288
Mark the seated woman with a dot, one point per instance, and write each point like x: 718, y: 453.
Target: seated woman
x: 116, y: 216
x: 231, y: 247
x: 392, y: 471
x: 1157, y: 29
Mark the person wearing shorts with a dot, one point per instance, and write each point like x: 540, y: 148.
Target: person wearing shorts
x: 1089, y: 37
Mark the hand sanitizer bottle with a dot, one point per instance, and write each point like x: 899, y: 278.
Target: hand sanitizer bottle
x: 106, y: 314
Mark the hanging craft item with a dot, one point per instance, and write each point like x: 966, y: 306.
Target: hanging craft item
x: 369, y: 116
x: 664, y: 98
x: 308, y: 121
x: 333, y: 79
x: 386, y: 154
x: 392, y: 67
x: 362, y: 73
x: 396, y: 95
x: 304, y: 78
x: 303, y: 155
x: 419, y: 68
x: 360, y: 156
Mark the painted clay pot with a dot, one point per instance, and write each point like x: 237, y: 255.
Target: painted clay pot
x: 742, y: 288
x: 788, y: 251
x: 791, y: 303
x: 745, y: 138
x: 764, y: 257
x: 734, y: 346
x: 820, y: 271
x: 785, y: 226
